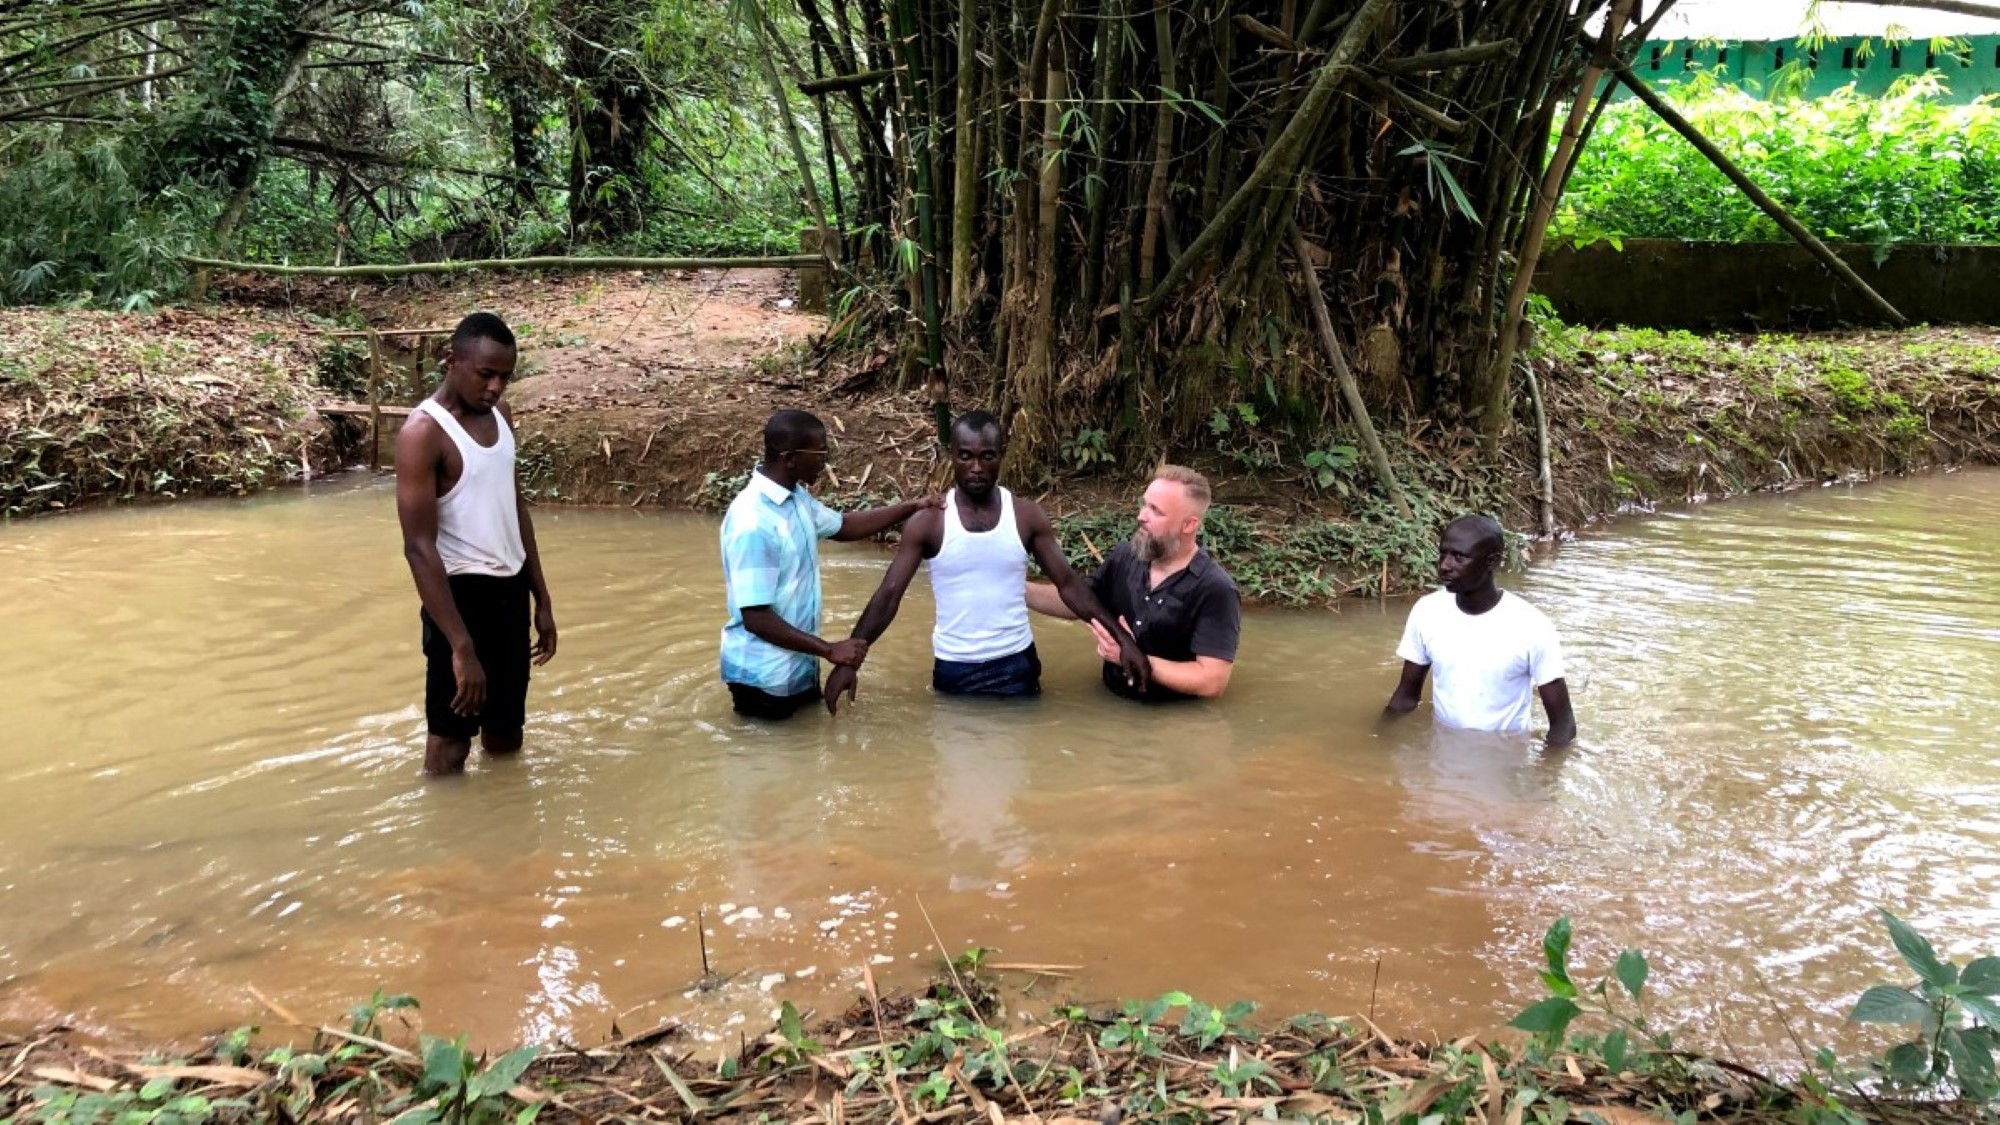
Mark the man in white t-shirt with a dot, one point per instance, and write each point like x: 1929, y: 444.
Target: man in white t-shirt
x: 1488, y: 652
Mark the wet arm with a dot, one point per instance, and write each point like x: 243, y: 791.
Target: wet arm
x: 1409, y: 690
x: 869, y: 524
x: 1562, y: 718
x: 1047, y: 600
x: 1204, y: 676
x: 919, y: 539
x: 764, y: 623
x: 417, y: 512
x: 1068, y: 590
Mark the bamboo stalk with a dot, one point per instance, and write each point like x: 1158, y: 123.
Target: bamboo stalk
x: 412, y: 269
x: 965, y: 167
x: 1756, y: 195
x: 829, y: 241
x: 1277, y: 161
x: 1349, y: 389
x: 926, y: 200
x: 1163, y: 146
x: 1500, y: 374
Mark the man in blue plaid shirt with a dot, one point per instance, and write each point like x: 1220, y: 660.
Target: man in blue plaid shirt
x: 770, y: 564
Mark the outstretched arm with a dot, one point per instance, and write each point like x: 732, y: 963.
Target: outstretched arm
x: 764, y: 623
x: 1409, y: 690
x: 1076, y: 595
x: 1562, y: 718
x: 875, y: 521
x: 920, y: 540
x: 1047, y: 600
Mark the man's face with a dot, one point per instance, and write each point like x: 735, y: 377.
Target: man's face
x: 1167, y: 520
x: 477, y: 372
x: 809, y: 461
x: 975, y: 462
x: 1465, y: 562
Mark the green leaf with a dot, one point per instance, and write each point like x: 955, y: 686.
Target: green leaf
x: 1887, y: 1003
x: 1918, y: 954
x: 1971, y: 1064
x: 1548, y: 1017
x: 1555, y: 944
x: 1908, y: 1064
x: 1982, y: 976
x: 1632, y: 971
x: 790, y: 1025
x: 505, y: 1071
x: 1615, y: 1046
x: 1984, y: 1009
x: 445, y: 1065
x: 1558, y: 985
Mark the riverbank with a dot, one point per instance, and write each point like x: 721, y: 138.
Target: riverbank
x: 102, y: 407
x: 649, y: 391
x: 965, y: 1050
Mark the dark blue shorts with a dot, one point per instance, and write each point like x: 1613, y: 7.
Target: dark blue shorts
x: 1019, y: 674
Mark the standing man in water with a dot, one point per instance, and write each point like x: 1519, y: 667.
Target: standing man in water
x: 471, y: 549
x: 1491, y: 652
x: 1167, y: 591
x: 978, y: 546
x: 770, y: 567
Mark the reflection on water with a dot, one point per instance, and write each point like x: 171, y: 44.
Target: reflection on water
x: 213, y: 733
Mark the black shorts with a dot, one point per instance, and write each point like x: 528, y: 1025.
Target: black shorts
x: 495, y: 612
x: 1019, y: 674
x: 756, y: 703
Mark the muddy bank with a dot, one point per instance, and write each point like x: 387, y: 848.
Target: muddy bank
x: 650, y: 389
x: 959, y: 1052
x: 98, y: 406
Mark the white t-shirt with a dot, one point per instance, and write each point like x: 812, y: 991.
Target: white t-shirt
x: 1484, y: 667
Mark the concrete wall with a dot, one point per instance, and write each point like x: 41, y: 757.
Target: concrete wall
x: 1660, y: 283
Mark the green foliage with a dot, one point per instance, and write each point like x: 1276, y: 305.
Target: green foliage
x: 1851, y: 167
x: 78, y: 226
x: 459, y: 1088
x: 1954, y: 1012
x: 1088, y: 450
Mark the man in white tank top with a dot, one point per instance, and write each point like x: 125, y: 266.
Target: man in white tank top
x: 978, y: 547
x: 1487, y: 653
x: 471, y: 549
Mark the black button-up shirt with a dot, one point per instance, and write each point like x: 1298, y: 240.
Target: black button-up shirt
x: 1195, y: 612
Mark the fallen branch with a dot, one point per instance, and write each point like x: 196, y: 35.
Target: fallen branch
x: 1349, y: 389
x: 1756, y: 194
x: 813, y: 88
x: 411, y: 269
x: 1445, y: 60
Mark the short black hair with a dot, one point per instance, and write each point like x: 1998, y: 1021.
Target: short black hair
x: 1491, y: 538
x: 789, y: 430
x: 482, y: 326
x: 978, y: 422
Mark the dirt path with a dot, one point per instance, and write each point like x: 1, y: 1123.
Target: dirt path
x: 636, y: 386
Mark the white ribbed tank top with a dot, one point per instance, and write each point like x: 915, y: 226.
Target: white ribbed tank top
x: 479, y: 527
x: 980, y: 581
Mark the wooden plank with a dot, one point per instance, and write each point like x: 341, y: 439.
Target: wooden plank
x: 364, y: 333
x: 361, y: 410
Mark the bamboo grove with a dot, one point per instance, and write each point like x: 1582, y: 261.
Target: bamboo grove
x: 1116, y: 213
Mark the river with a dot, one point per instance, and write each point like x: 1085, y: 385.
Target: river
x: 212, y: 734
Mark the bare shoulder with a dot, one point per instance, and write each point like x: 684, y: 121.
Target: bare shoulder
x: 1029, y: 517
x: 418, y: 435
x: 925, y: 530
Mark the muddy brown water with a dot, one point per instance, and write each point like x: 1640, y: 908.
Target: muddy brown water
x: 212, y: 734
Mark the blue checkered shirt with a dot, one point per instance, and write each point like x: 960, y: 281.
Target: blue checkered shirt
x: 770, y: 556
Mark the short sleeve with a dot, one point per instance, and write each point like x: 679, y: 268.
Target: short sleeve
x: 1413, y: 648
x: 750, y: 567
x: 825, y: 521
x: 1218, y: 626
x: 1545, y: 654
